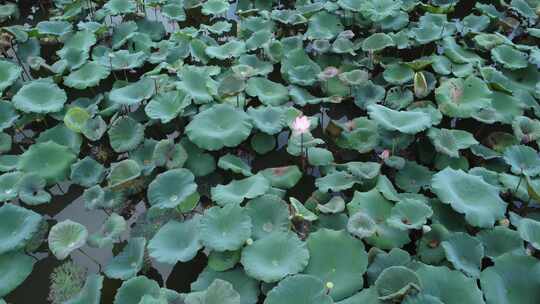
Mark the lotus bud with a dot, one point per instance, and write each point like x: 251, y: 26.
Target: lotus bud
x: 420, y: 85
x: 426, y: 228
x: 329, y: 285
x: 249, y: 242
x: 504, y: 222
x: 385, y: 154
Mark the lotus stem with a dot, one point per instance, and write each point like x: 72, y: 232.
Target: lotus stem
x: 91, y: 258
x: 16, y: 56
x: 125, y: 75
x: 60, y: 189
x: 519, y: 182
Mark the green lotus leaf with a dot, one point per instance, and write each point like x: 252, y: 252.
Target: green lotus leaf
x: 32, y: 190
x: 197, y: 161
x: 522, y: 159
x: 272, y: 258
x: 174, y: 11
x: 16, y: 267
x: 319, y: 156
x: 128, y: 262
x: 269, y: 92
x: 88, y: 75
x: 238, y: 190
x: 17, y: 227
x: 462, y: 98
x: 9, y: 72
x: 94, y: 128
x: 223, y: 260
x: 380, y: 260
x: 63, y: 136
x: 377, y: 42
x: 413, y: 177
x: 529, y: 230
x: 167, y: 106
x: 396, y: 282
x: 219, y: 292
x: 378, y: 208
x: 336, y: 181
x: 90, y: 292
x: 215, y: 7
x: 225, y: 228
x: 109, y: 232
x: 337, y: 257
x: 450, y: 142
x: 133, y: 93
x: 5, y: 142
x: 9, y: 185
x: 335, y: 205
x: 464, y: 252
x: 49, y: 160
x: 235, y: 164
x: 66, y: 236
x: 323, y: 25
x: 125, y: 134
x: 8, y: 115
x: 513, y: 279
x: 247, y: 287
x: 176, y: 241
x: 398, y: 74
x: 268, y: 119
x: 526, y: 129
x: 365, y: 170
x: 298, y: 67
x: 509, y: 57
x: 134, y: 289
x: 409, y: 122
x: 143, y: 155
x: 197, y: 82
x: 470, y: 195
x: 367, y: 93
x: 421, y: 298
x: 299, y: 288
x: 219, y: 126
x: 268, y: 214
x: 282, y: 177
x: 361, y: 225
x: 125, y: 60
x: 119, y: 7
x: 301, y: 212
x: 263, y: 143
x: 123, y: 172
x: 76, y: 118
x: 40, y: 96
x: 233, y: 48
x: 168, y: 154
x: 87, y: 172
x: 171, y: 188
x: 500, y: 240
x: 409, y: 214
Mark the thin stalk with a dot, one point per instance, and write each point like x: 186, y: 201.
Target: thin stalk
x: 91, y: 258
x: 519, y: 182
x: 60, y: 189
x: 19, y: 60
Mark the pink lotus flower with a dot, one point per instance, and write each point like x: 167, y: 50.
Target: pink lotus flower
x: 328, y: 73
x: 301, y: 124
x: 384, y: 154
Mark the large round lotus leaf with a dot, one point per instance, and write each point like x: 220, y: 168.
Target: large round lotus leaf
x: 421, y: 298
x: 9, y: 72
x: 380, y: 260
x: 367, y: 93
x: 89, y: 75
x: 319, y: 156
x: 90, y: 293
x: 464, y: 252
x: 377, y: 42
x: 133, y: 93
x: 409, y: 214
x: 87, y: 172
x: 32, y: 190
x: 17, y: 226
x: 65, y: 237
x: 500, y: 240
x: 268, y: 213
x: 299, y: 289
x: 283, y: 177
x: 8, y: 115
x: 197, y: 82
x: 62, y: 135
x: 398, y: 74
x: 523, y: 160
x: 128, y: 262
x: 219, y: 292
x: 220, y: 126
x: 269, y: 92
x: 233, y: 48
x: 457, y: 287
x: 176, y: 241
x: 247, y: 287
x: 335, y: 181
x: 323, y: 25
x: 361, y: 225
x: 470, y: 195
x: 123, y: 172
x: 339, y: 258
x: 167, y: 106
x: 225, y: 228
x: 16, y: 267
x: 40, y: 96
x: 134, y: 289
x: 509, y: 57
x: 109, y: 232
x: 125, y: 134
x: 529, y: 230
x: 462, y: 98
x: 409, y: 122
x: 49, y: 160
x: 449, y: 141
x: 513, y: 279
x: 171, y: 188
x: 238, y: 190
x: 235, y: 164
x: 272, y: 258
x: 268, y: 119
x: 9, y: 185
x: 395, y: 282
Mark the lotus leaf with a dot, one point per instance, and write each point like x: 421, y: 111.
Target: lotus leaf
x: 219, y: 291
x: 247, y: 287
x: 123, y: 172
x: 17, y: 227
x: 40, y: 96
x: 238, y: 190
x: 301, y: 212
x: 462, y: 98
x: 268, y: 92
x: 529, y: 230
x: 409, y: 214
x: 223, y: 260
x: 413, y: 177
x: 268, y: 213
x: 110, y: 231
x: 134, y: 289
x: 91, y: 291
x: 87, y: 172
x: 282, y: 177
x: 380, y: 260
x: 523, y: 160
x: 8, y: 115
x: 361, y: 225
x: 130, y: 261
x: 66, y: 236
x: 323, y: 25
x: 9, y: 72
x: 450, y: 142
x: 396, y: 282
x: 225, y: 228
x: 125, y: 134
x: 168, y: 154
x: 16, y: 267
x: 133, y: 93
x: 299, y: 288
x: 268, y: 119
x: 171, y: 188
x: 32, y: 190
x: 233, y: 48
x: 509, y: 57
x: 409, y: 122
x: 377, y: 42
x: 49, y: 160
x: 88, y: 75
x: 235, y: 164
x: 464, y: 252
x: 9, y: 185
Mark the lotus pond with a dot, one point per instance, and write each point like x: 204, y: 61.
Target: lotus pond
x: 270, y: 152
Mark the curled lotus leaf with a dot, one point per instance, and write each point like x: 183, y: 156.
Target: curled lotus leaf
x: 176, y: 241
x: 167, y: 106
x: 219, y: 292
x: 509, y: 57
x: 125, y: 134
x: 225, y: 228
x: 17, y: 227
x: 49, y: 160
x: 335, y: 205
x: 198, y: 83
x: 464, y: 252
x: 235, y: 164
x: 233, y: 48
x: 123, y: 172
x: 109, y: 232
x: 90, y: 292
x: 8, y: 115
x: 219, y: 126
x: 398, y: 74
x: 300, y: 288
x: 16, y: 267
x: 409, y: 122
x: 9, y: 185
x: 381, y: 260
x: 169, y: 155
x: 171, y: 188
x: 457, y: 97
x: 247, y: 287
x: 361, y: 225
x: 40, y: 96
x: 377, y: 42
x: 272, y: 258
x: 500, y: 240
x: 529, y: 230
x: 87, y: 76
x: 523, y: 160
x: 337, y: 257
x: 336, y: 181
x: 223, y: 260
x: 301, y: 212
x: 87, y: 172
x: 63, y: 136
x: 323, y: 25
x: 238, y: 190
x: 9, y: 72
x: 32, y: 190
x: 66, y: 236
x: 470, y: 195
x: 128, y: 262
x: 268, y: 213
x: 134, y: 289
x: 409, y: 214
x: 450, y: 142
x: 396, y: 282
x: 133, y: 93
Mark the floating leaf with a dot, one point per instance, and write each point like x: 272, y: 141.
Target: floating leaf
x: 409, y: 122
x: 134, y: 289
x: 523, y: 160
x: 16, y: 267
x: 39, y: 96
x: 297, y: 289
x: 49, y: 160
x: 395, y: 282
x: 268, y: 214
x: 125, y: 134
x: 9, y: 72
x: 176, y: 241
x: 225, y: 228
x: 464, y: 252
x: 133, y: 93
x: 87, y: 76
x: 65, y: 237
x: 171, y: 188
x: 450, y: 142
x: 128, y: 262
x: 238, y: 190
x: 17, y: 227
